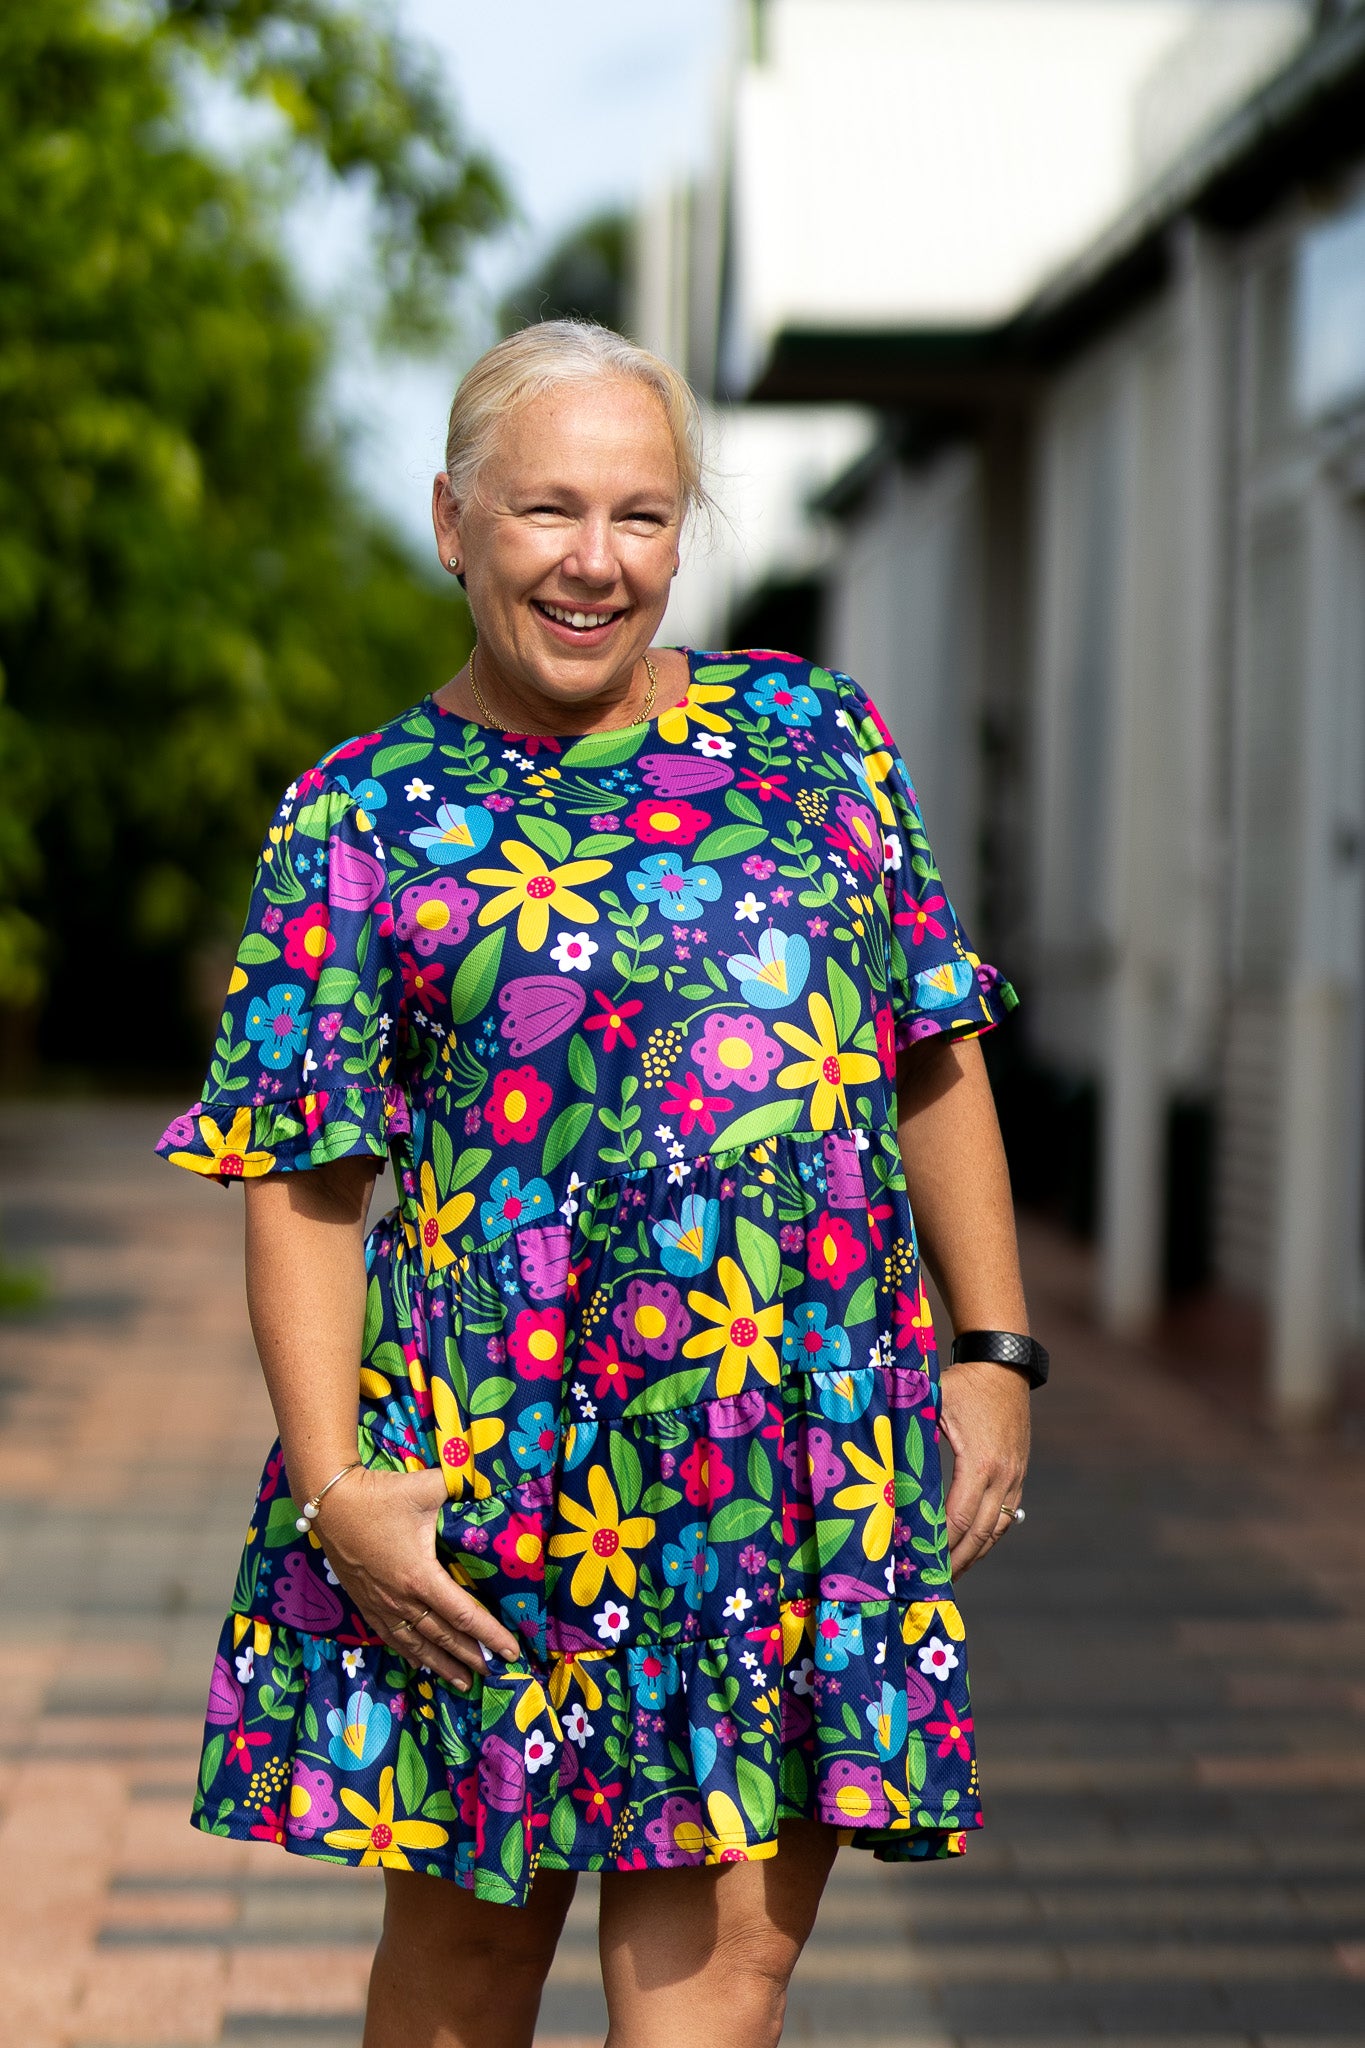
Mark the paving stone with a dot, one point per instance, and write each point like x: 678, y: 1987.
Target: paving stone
x: 1168, y: 1659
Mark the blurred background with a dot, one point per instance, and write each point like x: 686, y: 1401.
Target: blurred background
x: 1031, y: 340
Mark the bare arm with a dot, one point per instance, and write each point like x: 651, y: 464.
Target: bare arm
x: 305, y: 1271
x: 960, y: 1194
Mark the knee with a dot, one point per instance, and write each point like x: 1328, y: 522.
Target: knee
x: 750, y: 1968
x: 485, y: 1947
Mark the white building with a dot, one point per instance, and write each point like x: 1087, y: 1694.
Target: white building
x: 1098, y: 269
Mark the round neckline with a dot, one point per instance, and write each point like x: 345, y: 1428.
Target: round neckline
x: 571, y: 738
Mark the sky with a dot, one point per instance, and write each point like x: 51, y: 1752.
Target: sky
x: 582, y: 108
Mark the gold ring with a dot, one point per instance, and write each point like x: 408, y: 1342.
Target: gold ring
x: 414, y: 1625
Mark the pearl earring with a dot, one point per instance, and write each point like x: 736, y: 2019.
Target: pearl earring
x: 455, y: 562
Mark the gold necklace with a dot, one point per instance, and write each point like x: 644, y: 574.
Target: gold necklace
x: 625, y: 723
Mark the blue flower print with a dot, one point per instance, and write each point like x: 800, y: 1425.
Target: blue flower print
x: 776, y: 696
x: 677, y: 892
x: 838, y: 1635
x: 687, y: 1244
x: 890, y: 1719
x: 941, y: 988
x: 460, y: 830
x: 276, y: 1022
x: 535, y: 1438
x: 370, y: 795
x: 509, y: 1204
x: 691, y: 1563
x: 579, y: 1439
x: 844, y: 1396
x: 358, y: 1735
x: 806, y: 1342
x: 774, y: 974
x: 653, y: 1674
x: 525, y: 1616
x: 317, y: 1651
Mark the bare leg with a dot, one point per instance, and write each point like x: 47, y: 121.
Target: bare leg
x: 453, y: 1971
x: 702, y: 1958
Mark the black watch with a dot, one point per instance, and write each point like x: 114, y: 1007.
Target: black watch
x: 1002, y: 1347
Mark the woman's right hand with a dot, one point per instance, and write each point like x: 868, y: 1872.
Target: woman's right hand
x: 378, y: 1529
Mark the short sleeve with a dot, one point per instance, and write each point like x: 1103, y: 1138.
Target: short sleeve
x: 303, y: 1069
x: 938, y: 983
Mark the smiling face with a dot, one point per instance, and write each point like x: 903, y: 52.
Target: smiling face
x: 568, y: 544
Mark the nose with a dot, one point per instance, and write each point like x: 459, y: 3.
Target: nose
x: 592, y: 555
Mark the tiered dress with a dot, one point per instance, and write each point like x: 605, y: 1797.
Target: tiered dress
x: 624, y: 1013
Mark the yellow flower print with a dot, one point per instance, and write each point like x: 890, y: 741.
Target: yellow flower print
x: 600, y: 1540
x: 827, y: 1069
x: 877, y: 767
x: 727, y: 1838
x: 574, y: 1667
x: 740, y: 1332
x: 878, y: 1494
x: 434, y: 1219
x: 529, y: 888
x: 380, y: 1835
x: 922, y: 1615
x: 458, y: 1444
x: 672, y: 727
x: 900, y: 1805
x: 230, y: 1155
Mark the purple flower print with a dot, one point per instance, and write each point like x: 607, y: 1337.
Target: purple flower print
x: 826, y: 1467
x: 676, y: 1833
x: 272, y: 919
x: 225, y: 1695
x: 852, y: 1796
x: 329, y: 1025
x: 312, y: 1806
x: 735, y: 1052
x: 651, y: 1319
x: 758, y: 867
x: 434, y: 914
x: 544, y: 1253
x: 303, y: 1599
x: 502, y: 1774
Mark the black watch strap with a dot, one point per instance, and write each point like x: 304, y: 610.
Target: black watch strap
x: 1002, y: 1347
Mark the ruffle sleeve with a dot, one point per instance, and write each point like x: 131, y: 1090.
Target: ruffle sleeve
x: 939, y: 984
x: 304, y: 1066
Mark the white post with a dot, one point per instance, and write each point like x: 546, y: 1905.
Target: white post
x: 1131, y: 1152
x: 1306, y: 1324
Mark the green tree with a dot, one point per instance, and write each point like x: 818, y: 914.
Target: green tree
x: 192, y: 600
x: 585, y: 277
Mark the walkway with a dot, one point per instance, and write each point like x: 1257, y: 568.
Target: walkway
x: 1170, y: 1685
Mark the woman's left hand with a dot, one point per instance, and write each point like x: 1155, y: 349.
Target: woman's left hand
x: 985, y: 1417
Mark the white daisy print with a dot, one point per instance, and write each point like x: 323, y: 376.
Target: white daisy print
x: 572, y: 952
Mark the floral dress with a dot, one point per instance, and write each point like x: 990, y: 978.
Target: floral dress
x: 624, y: 1013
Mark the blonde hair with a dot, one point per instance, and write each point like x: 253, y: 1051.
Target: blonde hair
x: 537, y: 359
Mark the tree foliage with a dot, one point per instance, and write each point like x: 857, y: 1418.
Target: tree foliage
x: 585, y: 277
x: 192, y: 601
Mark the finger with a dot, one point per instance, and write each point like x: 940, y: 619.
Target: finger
x: 422, y: 1652
x: 460, y: 1611
x: 974, y: 1515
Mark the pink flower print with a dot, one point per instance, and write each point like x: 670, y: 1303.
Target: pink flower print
x: 735, y: 1052
x: 852, y: 1796
x: 651, y: 1319
x: 705, y: 1475
x: 781, y: 894
x: 791, y: 1237
x: 920, y: 918
x: 329, y: 1025
x: 758, y: 867
x: 501, y: 803
x: 272, y: 919
x: 435, y: 913
x: 817, y: 926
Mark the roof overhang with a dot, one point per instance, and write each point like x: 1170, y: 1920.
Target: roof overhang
x: 1299, y: 129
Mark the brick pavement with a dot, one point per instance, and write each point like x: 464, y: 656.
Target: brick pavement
x: 1169, y: 1671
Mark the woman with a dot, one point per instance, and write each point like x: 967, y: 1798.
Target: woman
x: 633, y: 1557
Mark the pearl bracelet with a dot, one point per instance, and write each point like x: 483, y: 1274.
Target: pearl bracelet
x: 310, y: 1507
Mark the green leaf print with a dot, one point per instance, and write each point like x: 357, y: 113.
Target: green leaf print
x: 721, y: 671
x: 601, y: 845
x: 512, y: 1854
x: 469, y: 1165
x: 490, y: 1395
x: 412, y: 1773
x: 757, y: 1795
x: 280, y: 1523
x: 916, y: 1761
x: 760, y: 1471
x: 768, y: 1121
x: 333, y: 1142
x: 563, y: 1824
x: 714, y: 975
x: 625, y: 1465
x: 844, y: 1001
x: 554, y: 841
x: 729, y: 839
x: 315, y: 820
x: 758, y: 1250
x: 862, y: 1307
x: 582, y: 1065
x: 852, y: 1725
x: 604, y: 750
x: 657, y: 1499
x: 736, y: 1519
x: 256, y: 949
x: 440, y: 1807
x: 442, y: 1157
x: 212, y: 1758
x: 403, y: 754
x: 336, y: 985
x: 831, y: 1537
x: 374, y: 1315
x: 565, y: 1132
x: 478, y: 972
x: 676, y: 1390
x: 743, y: 807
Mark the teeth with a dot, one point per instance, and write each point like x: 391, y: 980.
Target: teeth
x: 579, y: 619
